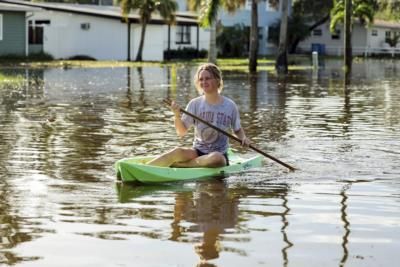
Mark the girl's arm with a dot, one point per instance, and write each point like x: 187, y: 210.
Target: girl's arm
x: 181, y: 130
x: 242, y: 136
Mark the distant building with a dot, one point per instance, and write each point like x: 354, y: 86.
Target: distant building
x: 268, y: 15
x: 365, y: 40
x: 101, y: 32
x: 13, y: 30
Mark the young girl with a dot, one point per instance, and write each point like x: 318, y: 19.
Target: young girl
x: 209, y: 146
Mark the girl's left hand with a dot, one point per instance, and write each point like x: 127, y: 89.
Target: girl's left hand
x: 246, y: 142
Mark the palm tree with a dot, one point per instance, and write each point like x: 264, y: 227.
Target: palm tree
x: 281, y: 64
x: 146, y: 8
x: 363, y: 10
x: 348, y: 55
x: 253, y: 53
x: 388, y: 9
x: 208, y: 10
x: 306, y: 16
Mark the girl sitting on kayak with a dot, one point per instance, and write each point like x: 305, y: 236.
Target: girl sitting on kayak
x: 209, y: 146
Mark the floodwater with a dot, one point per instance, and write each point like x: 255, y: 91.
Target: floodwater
x: 63, y: 129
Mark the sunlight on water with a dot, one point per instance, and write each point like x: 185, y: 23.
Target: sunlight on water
x: 62, y: 131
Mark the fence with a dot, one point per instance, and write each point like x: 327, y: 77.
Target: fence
x: 357, y: 50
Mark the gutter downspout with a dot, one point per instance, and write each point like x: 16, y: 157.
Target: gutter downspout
x: 197, y: 41
x: 129, y: 40
x: 27, y: 33
x: 169, y: 43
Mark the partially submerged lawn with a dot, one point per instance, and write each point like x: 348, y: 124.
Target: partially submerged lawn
x: 240, y: 64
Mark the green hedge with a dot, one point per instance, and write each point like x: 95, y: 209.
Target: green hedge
x: 184, y: 53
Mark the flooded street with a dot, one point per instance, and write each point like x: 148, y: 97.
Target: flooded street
x: 61, y: 131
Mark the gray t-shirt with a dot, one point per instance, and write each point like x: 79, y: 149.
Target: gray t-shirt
x: 224, y: 115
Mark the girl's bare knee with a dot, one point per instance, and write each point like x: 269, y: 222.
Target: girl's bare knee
x: 217, y: 159
x: 182, y: 154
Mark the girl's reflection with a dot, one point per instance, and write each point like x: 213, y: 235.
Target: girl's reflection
x: 212, y: 210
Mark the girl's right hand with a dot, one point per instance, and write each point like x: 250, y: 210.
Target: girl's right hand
x: 175, y: 108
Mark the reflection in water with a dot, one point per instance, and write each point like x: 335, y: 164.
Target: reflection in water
x: 346, y: 225
x: 212, y: 210
x: 347, y: 115
x: 285, y: 223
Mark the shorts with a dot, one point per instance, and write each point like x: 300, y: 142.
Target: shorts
x: 199, y: 153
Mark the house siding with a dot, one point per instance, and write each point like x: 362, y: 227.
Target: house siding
x: 265, y: 20
x: 266, y: 17
x: 363, y: 41
x: 105, y: 39
x: 14, y: 33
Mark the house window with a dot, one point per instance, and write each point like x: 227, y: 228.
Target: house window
x: 388, y: 34
x: 183, y: 34
x: 272, y: 32
x: 85, y: 26
x: 41, y: 22
x: 1, y: 27
x: 36, y: 31
x: 336, y: 35
x: 374, y: 32
x: 317, y: 32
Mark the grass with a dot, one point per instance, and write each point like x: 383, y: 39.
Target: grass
x: 10, y: 79
x: 239, y: 64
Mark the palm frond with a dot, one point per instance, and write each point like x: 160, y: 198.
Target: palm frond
x: 209, y: 12
x: 335, y: 20
x: 194, y: 4
x: 167, y: 9
x: 365, y: 13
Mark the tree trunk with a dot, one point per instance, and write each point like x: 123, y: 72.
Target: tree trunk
x: 281, y: 64
x: 253, y: 53
x: 297, y: 40
x: 348, y: 57
x: 212, y: 48
x: 142, y: 35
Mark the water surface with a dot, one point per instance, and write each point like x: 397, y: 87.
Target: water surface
x: 63, y: 129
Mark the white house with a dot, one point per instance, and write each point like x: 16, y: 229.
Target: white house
x: 13, y: 30
x: 268, y: 14
x: 101, y: 32
x: 365, y: 40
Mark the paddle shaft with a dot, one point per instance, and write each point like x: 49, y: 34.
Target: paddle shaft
x: 232, y: 136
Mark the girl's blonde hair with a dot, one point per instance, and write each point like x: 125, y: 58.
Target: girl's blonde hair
x: 215, y: 73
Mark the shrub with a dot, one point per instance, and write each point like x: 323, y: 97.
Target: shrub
x: 82, y: 57
x: 234, y: 41
x: 184, y: 53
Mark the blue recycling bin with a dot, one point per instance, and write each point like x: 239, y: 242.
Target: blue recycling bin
x: 319, y: 48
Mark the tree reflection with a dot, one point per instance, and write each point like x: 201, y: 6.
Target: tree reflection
x: 285, y: 223
x: 142, y: 98
x: 346, y: 224
x: 267, y: 100
x: 347, y: 114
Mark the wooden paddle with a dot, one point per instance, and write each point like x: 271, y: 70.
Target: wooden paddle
x: 168, y: 102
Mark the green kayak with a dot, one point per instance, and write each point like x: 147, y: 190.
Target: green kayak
x: 136, y: 170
